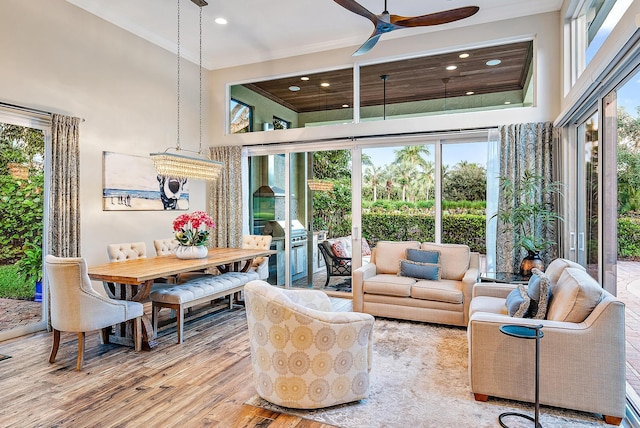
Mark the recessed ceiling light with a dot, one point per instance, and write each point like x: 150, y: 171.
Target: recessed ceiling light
x: 492, y: 62
x: 305, y: 78
x: 507, y: 102
x: 325, y: 84
x: 345, y: 105
x: 470, y: 93
x: 294, y: 88
x: 463, y: 55
x: 221, y: 21
x: 451, y: 67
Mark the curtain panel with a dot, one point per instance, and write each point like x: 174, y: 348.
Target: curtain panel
x: 225, y: 198
x: 64, y: 197
x: 524, y: 147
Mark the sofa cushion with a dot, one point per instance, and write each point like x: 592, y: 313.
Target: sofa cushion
x: 419, y: 270
x: 556, y: 267
x: 439, y: 291
x: 539, y: 291
x: 518, y: 302
x: 389, y: 285
x: 488, y: 304
x: 574, y: 296
x: 454, y: 259
x: 339, y: 250
x: 366, y: 249
x: 423, y: 256
x: 389, y: 254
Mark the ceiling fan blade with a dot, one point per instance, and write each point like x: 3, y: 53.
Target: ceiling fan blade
x: 437, y: 18
x: 355, y: 7
x: 366, y: 47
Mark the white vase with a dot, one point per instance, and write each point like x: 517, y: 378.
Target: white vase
x: 191, y: 252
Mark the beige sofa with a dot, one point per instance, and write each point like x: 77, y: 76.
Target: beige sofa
x: 379, y: 291
x: 582, y: 362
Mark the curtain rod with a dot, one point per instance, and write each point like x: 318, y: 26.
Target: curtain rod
x: 29, y: 109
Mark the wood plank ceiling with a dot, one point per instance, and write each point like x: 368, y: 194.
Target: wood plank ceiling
x: 408, y: 80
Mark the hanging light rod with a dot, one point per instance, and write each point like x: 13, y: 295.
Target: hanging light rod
x: 176, y: 164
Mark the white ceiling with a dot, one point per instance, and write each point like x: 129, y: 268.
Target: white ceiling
x: 260, y: 30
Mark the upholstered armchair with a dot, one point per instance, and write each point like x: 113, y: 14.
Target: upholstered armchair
x: 258, y: 242
x: 303, y: 355
x: 582, y: 353
x: 77, y: 307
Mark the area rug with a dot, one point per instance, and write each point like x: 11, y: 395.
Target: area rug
x: 419, y: 379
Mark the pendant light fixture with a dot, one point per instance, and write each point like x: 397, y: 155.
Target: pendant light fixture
x: 177, y: 164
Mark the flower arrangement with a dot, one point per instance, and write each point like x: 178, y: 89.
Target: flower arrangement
x: 191, y: 229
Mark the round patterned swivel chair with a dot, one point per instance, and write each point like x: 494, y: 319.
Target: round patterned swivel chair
x: 303, y: 355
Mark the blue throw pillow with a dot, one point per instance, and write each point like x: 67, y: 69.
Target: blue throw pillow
x: 423, y: 256
x: 419, y: 270
x: 539, y: 291
x: 518, y: 302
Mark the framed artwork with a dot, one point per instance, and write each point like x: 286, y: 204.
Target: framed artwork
x: 131, y: 183
x: 240, y: 117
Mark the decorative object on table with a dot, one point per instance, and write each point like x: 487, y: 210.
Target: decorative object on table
x: 30, y: 267
x: 192, y: 232
x: 177, y: 164
x: 530, y: 211
x: 130, y: 183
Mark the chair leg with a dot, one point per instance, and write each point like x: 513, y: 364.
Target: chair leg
x: 180, y: 323
x: 328, y: 278
x: 105, y: 335
x: 137, y: 334
x: 55, y: 346
x: 80, y: 350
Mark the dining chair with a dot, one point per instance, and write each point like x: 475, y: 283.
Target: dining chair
x: 126, y: 251
x: 258, y: 242
x: 77, y: 307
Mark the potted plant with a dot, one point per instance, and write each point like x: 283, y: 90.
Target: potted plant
x: 30, y: 268
x: 192, y: 233
x: 530, y: 213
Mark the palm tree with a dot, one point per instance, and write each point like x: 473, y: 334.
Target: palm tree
x: 372, y: 176
x: 424, y: 181
x: 409, y: 161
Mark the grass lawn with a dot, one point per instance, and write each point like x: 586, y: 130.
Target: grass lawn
x: 13, y: 286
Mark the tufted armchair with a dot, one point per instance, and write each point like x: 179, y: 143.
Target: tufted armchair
x: 303, y: 355
x: 126, y: 251
x: 258, y: 242
x: 77, y: 307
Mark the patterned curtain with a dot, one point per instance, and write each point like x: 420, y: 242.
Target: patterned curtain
x: 64, y: 197
x: 523, y: 147
x: 225, y: 198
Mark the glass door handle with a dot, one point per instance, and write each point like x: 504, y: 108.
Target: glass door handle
x: 581, y: 241
x: 572, y: 241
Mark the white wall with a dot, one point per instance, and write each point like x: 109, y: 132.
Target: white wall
x: 59, y: 58
x: 544, y: 28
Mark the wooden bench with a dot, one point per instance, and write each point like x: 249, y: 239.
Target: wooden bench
x: 194, y: 292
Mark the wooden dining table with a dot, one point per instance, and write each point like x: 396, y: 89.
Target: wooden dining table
x: 133, y: 279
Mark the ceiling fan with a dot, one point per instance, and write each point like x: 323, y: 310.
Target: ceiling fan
x: 385, y: 22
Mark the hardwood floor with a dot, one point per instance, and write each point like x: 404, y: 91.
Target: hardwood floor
x: 203, y: 382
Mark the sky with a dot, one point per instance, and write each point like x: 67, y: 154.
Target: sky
x: 451, y: 154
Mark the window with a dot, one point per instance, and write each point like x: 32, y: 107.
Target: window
x: 280, y: 123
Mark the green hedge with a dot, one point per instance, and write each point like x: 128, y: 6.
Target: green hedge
x: 628, y: 237
x: 466, y: 229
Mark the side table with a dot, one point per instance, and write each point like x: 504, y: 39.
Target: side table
x: 526, y: 332
x: 504, y: 277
